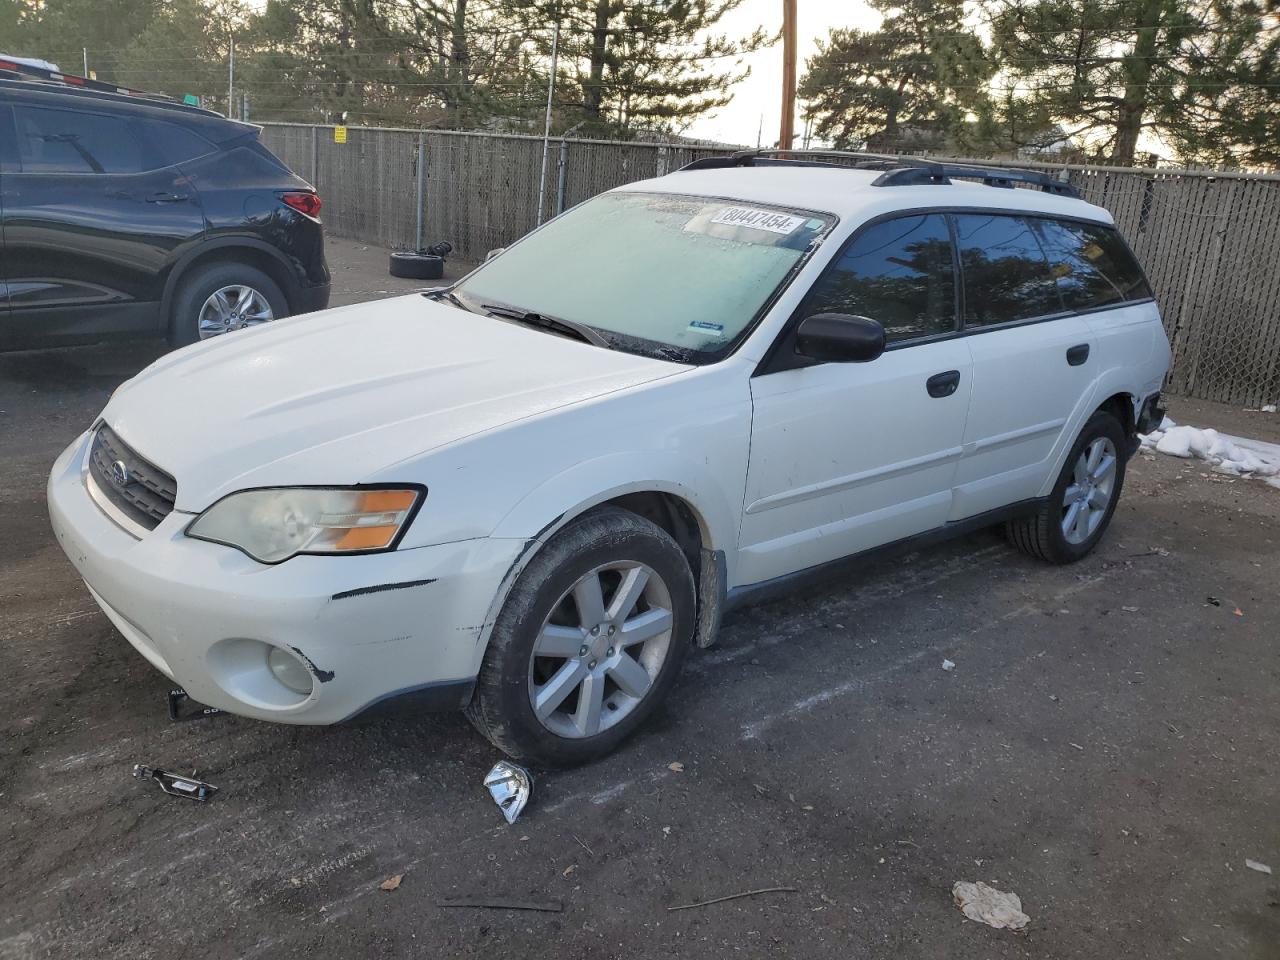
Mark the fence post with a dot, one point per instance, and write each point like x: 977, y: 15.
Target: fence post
x: 315, y: 156
x: 422, y: 180
x: 562, y: 176
x: 664, y: 160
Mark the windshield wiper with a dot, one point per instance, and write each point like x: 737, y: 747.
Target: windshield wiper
x: 569, y: 328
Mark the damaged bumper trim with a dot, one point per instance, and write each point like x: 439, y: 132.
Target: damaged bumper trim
x: 443, y: 696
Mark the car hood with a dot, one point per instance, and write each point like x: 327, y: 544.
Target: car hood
x: 339, y: 396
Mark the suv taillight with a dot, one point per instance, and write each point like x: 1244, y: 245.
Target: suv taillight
x: 303, y: 202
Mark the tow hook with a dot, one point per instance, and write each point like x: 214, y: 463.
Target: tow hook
x: 177, y: 697
x: 175, y: 785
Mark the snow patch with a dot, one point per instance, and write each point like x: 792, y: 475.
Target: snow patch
x: 1234, y: 456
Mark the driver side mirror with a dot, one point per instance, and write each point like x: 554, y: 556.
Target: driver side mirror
x: 840, y: 338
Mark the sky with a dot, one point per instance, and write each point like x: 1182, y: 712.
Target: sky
x: 761, y: 93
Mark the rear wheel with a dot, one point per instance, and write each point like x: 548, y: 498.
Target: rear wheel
x: 589, y: 642
x: 222, y: 298
x: 1070, y: 524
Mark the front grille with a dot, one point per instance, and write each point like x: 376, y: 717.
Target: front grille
x: 141, y: 490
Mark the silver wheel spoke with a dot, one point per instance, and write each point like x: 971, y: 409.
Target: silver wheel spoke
x: 1081, y: 470
x: 628, y: 593
x: 631, y: 678
x: 1073, y: 493
x: 1105, y: 468
x: 587, y: 717
x: 558, y: 641
x: 1096, y: 450
x: 1081, y: 528
x: 1097, y: 500
x: 1069, y: 521
x: 562, y: 683
x: 590, y: 601
x: 644, y: 627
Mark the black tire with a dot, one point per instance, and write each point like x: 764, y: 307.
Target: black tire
x: 501, y: 708
x: 195, y: 288
x: 1040, y: 534
x: 416, y: 266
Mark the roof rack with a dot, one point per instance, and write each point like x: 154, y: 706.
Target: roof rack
x: 15, y: 70
x: 898, y: 171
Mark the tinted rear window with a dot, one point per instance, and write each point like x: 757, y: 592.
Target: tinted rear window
x: 1006, y: 274
x: 1092, y: 265
x: 69, y: 141
x: 175, y: 143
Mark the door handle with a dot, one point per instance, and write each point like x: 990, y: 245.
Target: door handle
x: 168, y: 198
x: 1078, y: 354
x: 943, y: 384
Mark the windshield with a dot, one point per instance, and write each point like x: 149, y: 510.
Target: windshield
x: 685, y: 273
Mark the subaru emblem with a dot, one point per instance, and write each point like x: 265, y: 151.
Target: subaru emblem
x: 120, y: 473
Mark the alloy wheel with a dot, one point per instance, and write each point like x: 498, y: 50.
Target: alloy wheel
x: 1093, y: 480
x: 600, y: 650
x: 232, y: 307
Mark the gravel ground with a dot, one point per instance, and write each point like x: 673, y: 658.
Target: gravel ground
x: 1106, y: 748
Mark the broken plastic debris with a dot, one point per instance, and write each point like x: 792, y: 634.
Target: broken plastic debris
x: 175, y: 785
x: 990, y: 906
x: 1255, y: 865
x: 510, y: 786
x: 391, y: 883
x: 676, y: 767
x: 948, y: 665
x: 1268, y: 408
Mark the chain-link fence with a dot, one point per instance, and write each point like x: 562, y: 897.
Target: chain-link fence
x: 1210, y: 242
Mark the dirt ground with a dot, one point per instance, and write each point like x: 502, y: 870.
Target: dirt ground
x: 1106, y: 747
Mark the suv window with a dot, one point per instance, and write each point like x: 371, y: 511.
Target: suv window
x: 176, y: 144
x: 1092, y: 265
x: 899, y: 272
x: 68, y: 141
x: 1006, y: 275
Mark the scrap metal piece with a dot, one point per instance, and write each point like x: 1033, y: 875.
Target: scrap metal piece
x: 177, y: 697
x: 510, y: 786
x: 175, y: 785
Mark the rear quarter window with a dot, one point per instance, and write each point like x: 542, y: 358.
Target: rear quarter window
x: 1091, y: 264
x: 1006, y: 274
x: 175, y: 143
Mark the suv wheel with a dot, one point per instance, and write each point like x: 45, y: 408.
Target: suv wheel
x: 1083, y: 500
x: 221, y: 298
x: 589, y: 642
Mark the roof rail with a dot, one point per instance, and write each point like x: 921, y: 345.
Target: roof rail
x: 898, y: 171
x: 15, y: 70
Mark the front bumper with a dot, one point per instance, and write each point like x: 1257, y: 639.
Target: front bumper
x: 368, y: 628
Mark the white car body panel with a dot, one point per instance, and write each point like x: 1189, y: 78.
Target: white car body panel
x: 514, y: 432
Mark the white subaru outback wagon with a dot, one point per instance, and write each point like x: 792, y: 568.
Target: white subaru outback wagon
x: 531, y: 493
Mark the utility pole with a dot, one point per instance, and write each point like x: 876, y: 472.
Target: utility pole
x: 231, y: 77
x: 546, y: 130
x: 786, y: 135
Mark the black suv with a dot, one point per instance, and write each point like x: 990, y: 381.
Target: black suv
x: 123, y: 213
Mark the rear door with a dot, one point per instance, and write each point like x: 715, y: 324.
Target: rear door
x: 1032, y: 362
x: 849, y: 456
x: 93, y: 219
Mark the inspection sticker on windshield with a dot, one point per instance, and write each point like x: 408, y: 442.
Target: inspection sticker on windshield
x: 758, y: 219
x: 706, y: 326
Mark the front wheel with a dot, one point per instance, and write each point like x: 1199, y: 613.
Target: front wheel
x: 589, y: 642
x: 1070, y: 524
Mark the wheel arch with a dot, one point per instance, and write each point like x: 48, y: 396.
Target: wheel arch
x: 256, y: 253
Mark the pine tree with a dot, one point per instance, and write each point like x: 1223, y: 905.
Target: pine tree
x: 922, y: 73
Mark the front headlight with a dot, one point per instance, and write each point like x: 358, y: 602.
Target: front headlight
x: 275, y: 524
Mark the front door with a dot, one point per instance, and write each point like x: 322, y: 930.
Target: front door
x: 848, y: 456
x: 91, y: 221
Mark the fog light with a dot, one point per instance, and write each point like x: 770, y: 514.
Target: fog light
x: 290, y: 671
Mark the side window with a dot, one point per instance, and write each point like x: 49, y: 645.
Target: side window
x: 899, y: 272
x: 1006, y: 275
x: 68, y: 141
x: 1093, y: 266
x: 174, y: 143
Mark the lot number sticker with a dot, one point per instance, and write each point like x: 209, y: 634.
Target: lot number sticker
x: 758, y: 219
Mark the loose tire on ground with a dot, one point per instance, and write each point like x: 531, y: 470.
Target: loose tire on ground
x: 416, y: 266
x: 1041, y: 534
x: 503, y: 708
x: 196, y: 288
